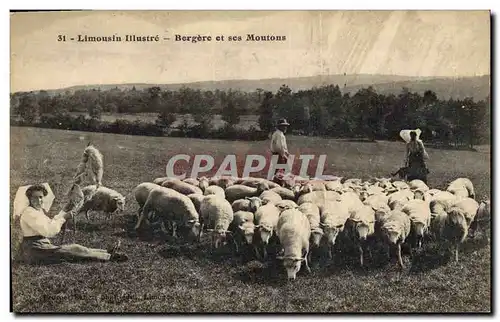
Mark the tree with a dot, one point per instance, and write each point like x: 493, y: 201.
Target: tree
x: 266, y: 113
x: 95, y: 112
x: 230, y: 114
x: 28, y: 108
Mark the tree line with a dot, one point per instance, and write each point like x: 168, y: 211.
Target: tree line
x: 320, y: 111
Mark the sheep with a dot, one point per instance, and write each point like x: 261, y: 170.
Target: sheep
x: 160, y: 180
x: 250, y: 204
x: 203, y: 183
x: 462, y: 187
x: 451, y: 225
x: 352, y: 201
x: 171, y: 206
x: 270, y: 196
x: 254, y: 182
x: 223, y: 182
x: 334, y: 185
x: 215, y: 190
x: 420, y: 215
x: 286, y: 204
x: 377, y: 202
x: 192, y: 181
x: 399, y: 198
x: 318, y: 197
x: 102, y: 199
x: 294, y: 231
x: 359, y: 227
x: 395, y: 227
x: 141, y: 193
x: 196, y: 199
x: 284, y: 193
x: 483, y: 215
x: 243, y: 228
x: 400, y: 185
x: 418, y: 184
x: 332, y: 220
x: 266, y: 219
x: 94, y: 160
x: 217, y: 215
x: 181, y: 187
x: 311, y: 211
x: 239, y: 191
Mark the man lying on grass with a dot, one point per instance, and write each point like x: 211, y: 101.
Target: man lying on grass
x: 38, y: 227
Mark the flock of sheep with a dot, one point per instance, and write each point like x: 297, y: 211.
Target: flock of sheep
x: 303, y: 214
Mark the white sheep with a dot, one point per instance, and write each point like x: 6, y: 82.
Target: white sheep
x: 483, y: 217
x: 420, y: 215
x: 395, y: 227
x: 217, y: 215
x: 203, y: 183
x: 400, y: 185
x: 254, y: 182
x: 224, y: 182
x: 171, y: 207
x: 462, y: 187
x: 352, y: 201
x: 377, y: 202
x: 181, y: 187
x: 196, y: 199
x: 286, y: 204
x: 294, y: 231
x: 239, y: 191
x: 399, y: 198
x: 102, y: 199
x: 333, y: 217
x: 418, y: 184
x: 270, y: 196
x: 319, y: 197
x: 359, y: 228
x: 311, y: 211
x: 160, y: 180
x: 141, y: 193
x: 215, y: 190
x: 243, y: 228
x: 248, y: 204
x: 284, y: 193
x: 266, y: 219
x: 192, y: 181
x: 335, y: 185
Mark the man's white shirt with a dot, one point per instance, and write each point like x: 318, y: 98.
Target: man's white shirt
x: 278, y: 143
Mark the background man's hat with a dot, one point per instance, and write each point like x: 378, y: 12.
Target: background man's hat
x: 282, y: 122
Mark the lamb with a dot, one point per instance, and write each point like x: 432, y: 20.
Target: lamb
x: 141, y: 193
x: 181, y: 187
x: 284, y: 193
x: 94, y: 160
x: 483, y: 216
x: 239, y: 191
x: 395, y: 227
x: 196, y: 199
x: 270, y: 196
x: 250, y: 204
x: 217, y: 215
x: 215, y: 190
x: 174, y: 207
x: 243, y: 228
x: 102, y: 199
x: 266, y: 219
x: 333, y: 217
x: 359, y: 227
x: 420, y: 215
x: 311, y: 211
x: 462, y: 187
x: 294, y: 231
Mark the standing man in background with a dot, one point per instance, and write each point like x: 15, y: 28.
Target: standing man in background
x: 279, y: 147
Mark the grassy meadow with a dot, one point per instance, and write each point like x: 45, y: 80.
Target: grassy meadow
x: 179, y: 277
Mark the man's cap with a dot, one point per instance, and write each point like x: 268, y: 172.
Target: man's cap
x: 282, y: 122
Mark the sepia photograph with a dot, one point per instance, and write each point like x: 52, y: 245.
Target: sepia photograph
x: 250, y: 161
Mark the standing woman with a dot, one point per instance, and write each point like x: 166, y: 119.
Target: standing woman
x: 415, y: 158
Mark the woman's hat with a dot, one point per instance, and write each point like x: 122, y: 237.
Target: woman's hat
x: 405, y: 134
x: 282, y: 122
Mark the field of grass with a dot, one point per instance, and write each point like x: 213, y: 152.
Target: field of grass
x: 179, y: 277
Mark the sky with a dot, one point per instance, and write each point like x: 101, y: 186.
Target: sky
x: 411, y: 43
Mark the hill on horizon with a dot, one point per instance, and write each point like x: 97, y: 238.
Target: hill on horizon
x: 477, y: 87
